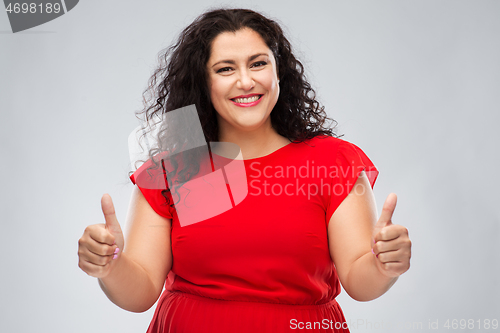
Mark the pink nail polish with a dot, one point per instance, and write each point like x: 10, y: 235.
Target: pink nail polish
x: 117, y: 250
x: 115, y: 256
x: 373, y: 252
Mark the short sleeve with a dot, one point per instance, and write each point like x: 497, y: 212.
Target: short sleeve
x: 350, y: 160
x: 151, y: 180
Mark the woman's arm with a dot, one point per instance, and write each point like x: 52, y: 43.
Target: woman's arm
x: 137, y: 278
x: 353, y: 228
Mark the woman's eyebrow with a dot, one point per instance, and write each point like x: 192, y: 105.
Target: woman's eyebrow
x: 232, y: 62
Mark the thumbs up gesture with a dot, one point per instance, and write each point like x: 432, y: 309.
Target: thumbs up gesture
x: 392, y: 246
x: 101, y: 244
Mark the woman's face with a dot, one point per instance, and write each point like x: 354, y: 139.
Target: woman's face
x: 242, y: 80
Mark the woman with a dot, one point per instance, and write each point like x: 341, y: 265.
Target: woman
x: 274, y: 261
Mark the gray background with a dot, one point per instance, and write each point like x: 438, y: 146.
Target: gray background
x: 415, y: 84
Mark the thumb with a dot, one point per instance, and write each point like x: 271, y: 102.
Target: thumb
x: 109, y: 214
x: 387, y: 211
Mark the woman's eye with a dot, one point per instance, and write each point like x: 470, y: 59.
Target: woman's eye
x: 259, y: 63
x: 223, y: 69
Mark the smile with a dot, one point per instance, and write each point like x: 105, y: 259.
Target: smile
x: 249, y: 100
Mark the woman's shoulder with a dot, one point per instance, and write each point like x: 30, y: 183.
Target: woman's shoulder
x: 325, y: 141
x: 320, y: 148
x: 150, y: 173
x: 328, y: 148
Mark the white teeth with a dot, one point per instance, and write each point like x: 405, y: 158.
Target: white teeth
x: 247, y: 100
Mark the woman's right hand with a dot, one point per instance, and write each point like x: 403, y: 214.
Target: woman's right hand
x: 101, y: 244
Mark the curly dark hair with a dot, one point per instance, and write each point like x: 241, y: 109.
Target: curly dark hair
x: 181, y: 80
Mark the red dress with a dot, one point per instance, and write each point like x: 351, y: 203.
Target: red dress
x: 264, y: 265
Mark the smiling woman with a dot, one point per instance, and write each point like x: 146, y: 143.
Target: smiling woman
x: 274, y: 261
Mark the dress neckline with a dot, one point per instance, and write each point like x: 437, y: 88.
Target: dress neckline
x: 282, y: 148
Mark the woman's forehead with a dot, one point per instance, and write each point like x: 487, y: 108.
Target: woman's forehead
x: 243, y: 43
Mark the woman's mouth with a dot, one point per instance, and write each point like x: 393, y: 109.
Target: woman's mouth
x: 246, y: 100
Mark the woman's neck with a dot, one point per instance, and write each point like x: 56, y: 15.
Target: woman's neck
x: 257, y: 143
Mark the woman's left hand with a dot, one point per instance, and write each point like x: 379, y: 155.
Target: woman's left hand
x: 392, y: 246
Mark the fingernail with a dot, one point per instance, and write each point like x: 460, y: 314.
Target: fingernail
x: 372, y: 251
x: 114, y: 243
x: 117, y: 250
x: 115, y: 256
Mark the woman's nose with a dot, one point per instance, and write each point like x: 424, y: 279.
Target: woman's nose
x: 245, y: 81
